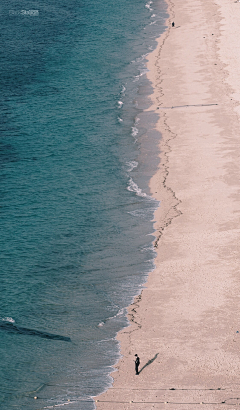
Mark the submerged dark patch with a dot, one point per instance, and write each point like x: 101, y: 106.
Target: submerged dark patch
x: 12, y: 328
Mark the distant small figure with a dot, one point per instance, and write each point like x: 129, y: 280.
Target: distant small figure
x: 137, y: 363
x: 173, y: 24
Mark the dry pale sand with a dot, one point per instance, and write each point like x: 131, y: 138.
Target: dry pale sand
x: 185, y: 323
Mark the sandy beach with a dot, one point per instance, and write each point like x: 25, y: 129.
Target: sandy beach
x: 185, y: 325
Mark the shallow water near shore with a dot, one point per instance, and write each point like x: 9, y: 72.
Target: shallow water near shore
x: 76, y: 211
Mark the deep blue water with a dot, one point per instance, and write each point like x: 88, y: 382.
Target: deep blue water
x: 77, y: 151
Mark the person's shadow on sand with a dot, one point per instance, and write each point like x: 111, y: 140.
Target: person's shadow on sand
x: 149, y: 362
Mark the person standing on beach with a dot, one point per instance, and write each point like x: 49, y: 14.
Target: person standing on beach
x: 137, y: 363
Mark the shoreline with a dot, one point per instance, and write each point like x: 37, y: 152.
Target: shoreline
x: 184, y: 324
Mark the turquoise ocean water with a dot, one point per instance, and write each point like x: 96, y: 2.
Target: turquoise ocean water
x: 77, y: 151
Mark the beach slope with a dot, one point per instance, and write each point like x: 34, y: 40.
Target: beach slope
x: 185, y: 324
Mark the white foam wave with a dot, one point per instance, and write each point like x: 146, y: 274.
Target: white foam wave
x: 148, y: 5
x: 120, y: 104
x: 106, y: 340
x: 153, y: 15
x: 58, y: 405
x: 137, y: 212
x: 131, y: 165
x: 133, y: 187
x: 148, y: 248
x: 143, y: 213
x: 8, y: 319
x: 123, y: 90
x: 134, y: 132
x: 142, y: 72
x: 121, y: 312
x: 139, y: 59
x: 153, y: 22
